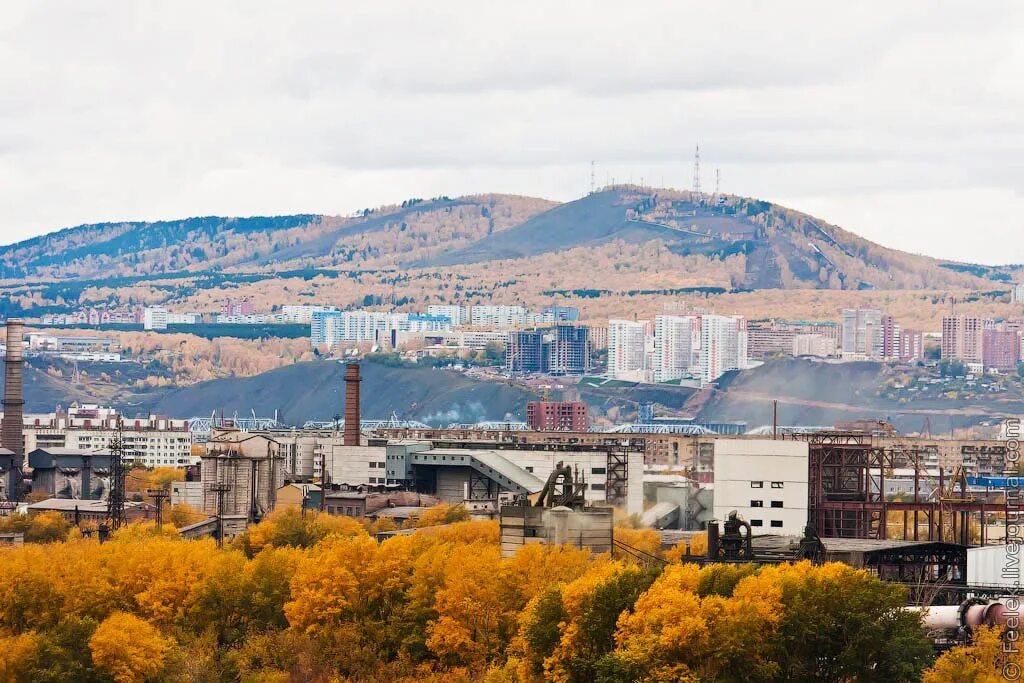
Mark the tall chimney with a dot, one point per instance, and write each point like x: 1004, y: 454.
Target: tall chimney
x: 352, y: 404
x: 12, y: 428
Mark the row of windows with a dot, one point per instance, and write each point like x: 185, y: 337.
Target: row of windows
x: 776, y: 523
x: 760, y: 503
x: 760, y: 485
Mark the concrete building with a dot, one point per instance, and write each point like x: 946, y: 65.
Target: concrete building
x: 963, y: 338
x: 458, y: 315
x: 674, y: 337
x: 187, y: 492
x: 813, y: 345
x: 765, y: 481
x: 1000, y: 349
x: 459, y: 471
x: 241, y: 473
x: 303, y: 313
x: 153, y: 441
x: 78, y: 511
x: 911, y: 348
x: 626, y: 340
x: 70, y: 473
x: 1017, y: 293
x: 891, y: 335
x: 566, y: 350
x: 723, y: 345
x: 498, y: 316
x: 525, y: 352
x: 862, y: 334
x: 766, y: 339
x: 557, y: 416
x: 154, y: 318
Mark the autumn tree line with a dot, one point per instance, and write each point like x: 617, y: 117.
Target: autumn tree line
x: 317, y: 598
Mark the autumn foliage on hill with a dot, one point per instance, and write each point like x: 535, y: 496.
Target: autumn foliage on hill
x: 316, y: 598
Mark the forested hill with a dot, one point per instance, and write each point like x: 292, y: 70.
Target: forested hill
x: 742, y: 242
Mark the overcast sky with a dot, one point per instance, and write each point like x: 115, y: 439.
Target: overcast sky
x: 903, y: 122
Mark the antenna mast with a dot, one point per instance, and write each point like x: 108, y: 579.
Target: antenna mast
x: 593, y: 184
x: 696, y: 174
x: 718, y: 182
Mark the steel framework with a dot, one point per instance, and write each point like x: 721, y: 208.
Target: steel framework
x: 846, y: 493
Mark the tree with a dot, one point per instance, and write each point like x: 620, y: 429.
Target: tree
x: 985, y: 660
x: 128, y: 648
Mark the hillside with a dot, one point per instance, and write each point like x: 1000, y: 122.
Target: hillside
x: 315, y: 390
x: 779, y: 247
x: 816, y: 393
x: 415, y: 229
x: 769, y: 246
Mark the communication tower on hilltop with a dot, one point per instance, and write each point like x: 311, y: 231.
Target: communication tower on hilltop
x: 593, y: 184
x: 718, y: 182
x: 696, y: 173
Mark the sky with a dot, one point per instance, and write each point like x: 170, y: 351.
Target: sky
x: 903, y: 122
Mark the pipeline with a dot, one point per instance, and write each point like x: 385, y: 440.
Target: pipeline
x: 966, y: 616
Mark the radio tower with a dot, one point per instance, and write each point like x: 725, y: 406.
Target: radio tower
x: 593, y: 184
x: 718, y: 181
x: 115, y: 498
x: 696, y: 174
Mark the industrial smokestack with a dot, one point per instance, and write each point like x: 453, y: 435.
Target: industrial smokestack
x: 11, y: 430
x: 352, y: 404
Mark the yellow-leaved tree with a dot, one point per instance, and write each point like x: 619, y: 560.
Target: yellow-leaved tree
x: 127, y: 648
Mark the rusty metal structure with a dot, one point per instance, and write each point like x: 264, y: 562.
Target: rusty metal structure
x: 352, y: 380
x: 564, y: 487
x: 12, y: 429
x: 846, y: 496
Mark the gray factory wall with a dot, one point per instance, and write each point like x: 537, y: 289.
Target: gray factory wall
x: 452, y: 483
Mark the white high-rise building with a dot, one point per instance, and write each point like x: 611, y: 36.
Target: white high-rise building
x: 626, y: 348
x: 154, y: 318
x: 862, y: 333
x: 459, y: 315
x: 723, y: 345
x: 329, y: 328
x: 673, y: 346
x: 497, y: 316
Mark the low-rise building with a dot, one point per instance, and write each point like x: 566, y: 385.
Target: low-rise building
x: 765, y: 481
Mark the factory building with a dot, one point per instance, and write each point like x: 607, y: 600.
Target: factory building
x: 241, y: 473
x: 765, y: 481
x: 70, y: 473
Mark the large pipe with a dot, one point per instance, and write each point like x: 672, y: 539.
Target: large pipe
x: 969, y: 614
x: 352, y: 404
x: 12, y: 428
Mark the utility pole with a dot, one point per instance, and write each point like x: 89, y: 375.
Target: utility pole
x: 159, y: 496
x: 220, y: 488
x: 115, y: 499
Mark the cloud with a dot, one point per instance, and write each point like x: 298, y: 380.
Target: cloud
x: 877, y: 116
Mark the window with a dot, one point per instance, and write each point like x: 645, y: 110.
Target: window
x: 757, y: 484
x: 756, y: 522
x: 776, y: 503
x: 529, y: 468
x: 597, y: 487
x: 776, y: 484
x: 777, y: 523
x: 757, y: 503
x: 597, y: 470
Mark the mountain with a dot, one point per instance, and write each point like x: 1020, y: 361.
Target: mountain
x: 372, y: 238
x: 764, y: 246
x: 781, y: 248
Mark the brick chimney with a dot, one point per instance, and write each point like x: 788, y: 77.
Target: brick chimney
x: 352, y: 404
